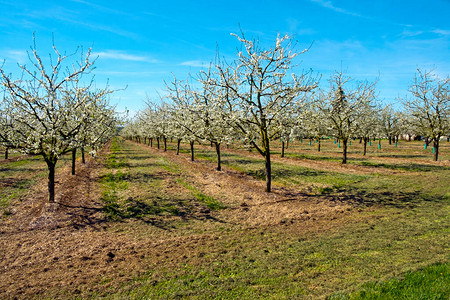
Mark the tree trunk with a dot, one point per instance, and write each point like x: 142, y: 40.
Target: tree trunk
x: 83, y: 160
x: 151, y: 142
x: 51, y: 163
x: 365, y: 145
x: 6, y: 152
x: 165, y: 143
x: 436, y: 149
x: 287, y: 144
x: 74, y: 156
x: 192, y: 150
x: 268, y: 171
x: 360, y: 140
x: 178, y: 146
x: 344, y: 153
x: 219, y: 162
x: 318, y: 145
x: 282, y: 148
x: 390, y: 140
x: 157, y: 140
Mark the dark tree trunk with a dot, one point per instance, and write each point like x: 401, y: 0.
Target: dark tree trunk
x: 360, y: 140
x: 151, y: 142
x: 365, y: 145
x: 192, y: 150
x: 6, y: 152
x: 74, y: 156
x: 344, y: 153
x: 287, y: 144
x: 436, y: 149
x: 51, y: 163
x: 268, y: 167
x: 318, y: 145
x: 157, y: 141
x: 83, y: 160
x: 178, y: 146
x: 165, y: 143
x: 390, y: 140
x: 219, y: 162
x: 282, y: 148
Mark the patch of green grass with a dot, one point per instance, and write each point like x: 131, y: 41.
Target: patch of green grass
x: 212, y: 203
x: 432, y: 282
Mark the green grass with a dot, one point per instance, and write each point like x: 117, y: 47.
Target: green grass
x: 128, y: 167
x: 212, y: 203
x: 431, y: 282
x: 269, y: 264
x: 395, y: 223
x: 406, y: 229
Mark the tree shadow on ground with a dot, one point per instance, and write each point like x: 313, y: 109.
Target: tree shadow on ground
x: 397, y: 199
x: 159, y: 212
x: 412, y: 167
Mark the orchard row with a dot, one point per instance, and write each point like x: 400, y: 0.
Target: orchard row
x: 256, y: 98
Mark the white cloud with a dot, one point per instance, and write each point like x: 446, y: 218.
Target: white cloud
x: 410, y: 33
x: 441, y: 31
x: 120, y: 55
x: 194, y: 63
x: 329, y: 5
x: 15, y: 56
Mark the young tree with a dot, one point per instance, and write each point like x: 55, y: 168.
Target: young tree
x: 313, y: 119
x: 260, y: 90
x: 7, y: 139
x: 344, y: 105
x: 430, y: 106
x: 41, y: 112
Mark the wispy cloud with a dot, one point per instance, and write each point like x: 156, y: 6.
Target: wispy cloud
x: 330, y: 5
x: 130, y: 73
x: 102, y: 8
x: 120, y: 55
x: 441, y: 31
x: 15, y: 56
x: 410, y: 33
x: 195, y: 63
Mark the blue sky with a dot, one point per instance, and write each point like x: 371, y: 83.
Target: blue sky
x: 141, y: 43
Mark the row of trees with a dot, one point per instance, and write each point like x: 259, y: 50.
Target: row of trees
x: 52, y: 109
x: 255, y: 99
